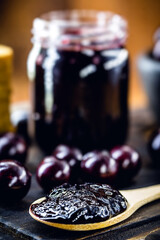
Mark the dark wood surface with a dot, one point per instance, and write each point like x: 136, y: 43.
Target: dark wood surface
x: 16, y: 223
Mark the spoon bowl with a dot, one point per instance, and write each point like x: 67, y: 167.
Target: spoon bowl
x: 136, y: 198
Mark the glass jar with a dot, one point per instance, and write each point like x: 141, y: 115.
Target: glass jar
x: 78, y: 69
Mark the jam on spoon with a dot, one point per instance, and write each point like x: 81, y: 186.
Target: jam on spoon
x: 80, y: 203
x: 136, y: 198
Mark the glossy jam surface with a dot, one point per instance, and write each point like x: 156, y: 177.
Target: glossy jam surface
x: 80, y: 204
x: 80, y: 98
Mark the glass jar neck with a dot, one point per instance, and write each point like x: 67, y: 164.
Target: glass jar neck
x: 80, y: 29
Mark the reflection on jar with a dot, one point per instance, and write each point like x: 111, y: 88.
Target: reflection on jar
x: 79, y: 80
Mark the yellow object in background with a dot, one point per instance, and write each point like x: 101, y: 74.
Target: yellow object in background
x: 6, y: 58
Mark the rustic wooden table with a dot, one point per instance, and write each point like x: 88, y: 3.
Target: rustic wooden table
x: 15, y: 222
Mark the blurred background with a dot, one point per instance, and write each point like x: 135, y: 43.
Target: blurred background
x: 16, y: 19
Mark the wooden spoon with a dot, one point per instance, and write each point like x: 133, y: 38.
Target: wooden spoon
x: 136, y: 198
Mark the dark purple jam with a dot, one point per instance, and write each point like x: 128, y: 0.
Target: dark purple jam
x: 80, y: 204
x: 86, y: 94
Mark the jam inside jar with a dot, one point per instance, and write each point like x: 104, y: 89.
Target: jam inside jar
x: 78, y: 69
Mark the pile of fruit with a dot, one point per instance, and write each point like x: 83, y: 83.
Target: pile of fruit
x: 15, y: 179
x: 66, y: 164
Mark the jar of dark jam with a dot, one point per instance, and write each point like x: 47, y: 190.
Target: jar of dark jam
x: 78, y: 69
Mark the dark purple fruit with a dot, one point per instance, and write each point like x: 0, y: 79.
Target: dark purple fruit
x: 129, y: 161
x: 154, y: 147
x: 12, y: 146
x: 51, y: 172
x: 15, y: 180
x: 99, y: 166
x: 72, y: 156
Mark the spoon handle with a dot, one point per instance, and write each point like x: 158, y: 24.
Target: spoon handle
x: 141, y: 196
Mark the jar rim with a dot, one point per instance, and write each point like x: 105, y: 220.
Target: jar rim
x: 77, y: 25
x: 63, y: 16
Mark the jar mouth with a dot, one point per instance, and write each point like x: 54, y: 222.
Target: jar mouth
x: 84, y: 17
x: 85, y: 27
